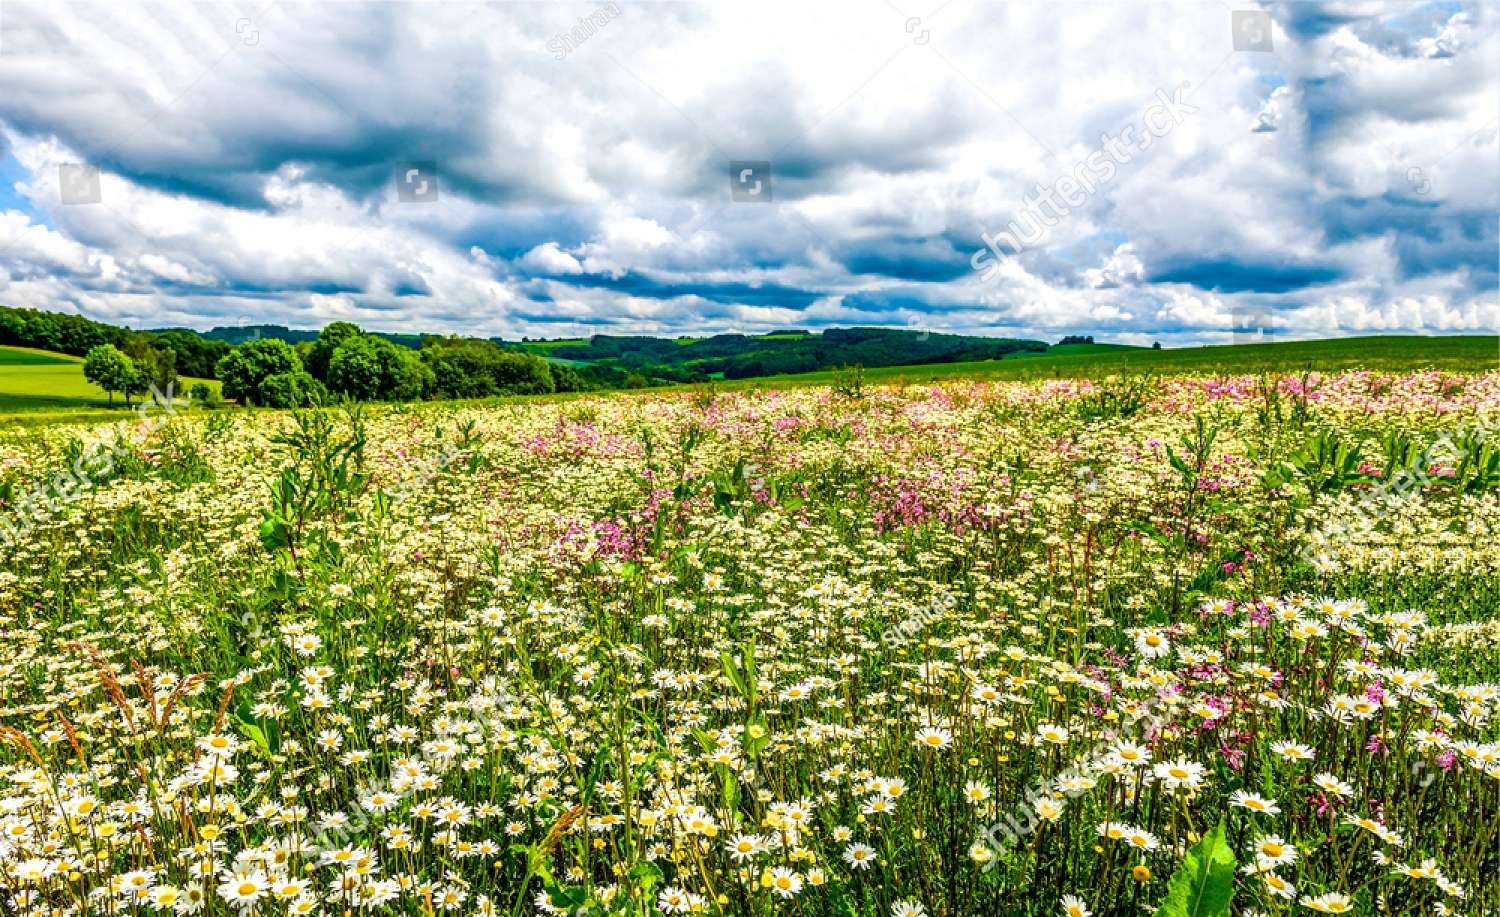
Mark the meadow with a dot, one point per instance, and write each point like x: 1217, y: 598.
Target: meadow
x: 43, y: 387
x: 1165, y: 644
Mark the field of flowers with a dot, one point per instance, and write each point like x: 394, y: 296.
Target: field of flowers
x: 1178, y: 646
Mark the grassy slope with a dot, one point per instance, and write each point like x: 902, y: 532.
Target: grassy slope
x: 1469, y: 353
x: 38, y: 380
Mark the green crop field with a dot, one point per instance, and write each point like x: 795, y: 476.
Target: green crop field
x: 36, y: 382
x: 1470, y: 353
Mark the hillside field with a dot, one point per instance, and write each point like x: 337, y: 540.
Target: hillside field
x: 1466, y: 353
x: 39, y: 381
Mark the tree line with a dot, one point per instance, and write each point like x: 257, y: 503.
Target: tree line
x: 741, y: 356
x: 345, y: 361
x: 187, y: 353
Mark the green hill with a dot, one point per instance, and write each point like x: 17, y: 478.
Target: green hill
x: 742, y: 356
x: 39, y: 380
x: 1458, y: 353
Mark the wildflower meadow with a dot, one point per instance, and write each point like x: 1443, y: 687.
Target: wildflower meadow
x: 1174, y: 645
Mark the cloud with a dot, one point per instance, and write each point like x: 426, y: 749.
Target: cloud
x: 1346, y: 182
x: 548, y: 258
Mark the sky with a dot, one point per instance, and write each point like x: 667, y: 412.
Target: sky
x: 1197, y: 172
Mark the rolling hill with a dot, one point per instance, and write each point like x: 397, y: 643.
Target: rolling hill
x: 1459, y: 353
x: 34, y: 381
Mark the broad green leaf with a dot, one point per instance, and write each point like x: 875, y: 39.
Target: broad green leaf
x: 1203, y: 885
x: 731, y: 671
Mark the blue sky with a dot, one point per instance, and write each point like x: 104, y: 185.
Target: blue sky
x: 1346, y: 180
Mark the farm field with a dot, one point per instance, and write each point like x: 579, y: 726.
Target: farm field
x: 1457, y: 353
x: 1072, y: 646
x: 39, y: 386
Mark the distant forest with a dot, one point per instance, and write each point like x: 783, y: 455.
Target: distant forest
x: 740, y: 356
x: 345, y: 360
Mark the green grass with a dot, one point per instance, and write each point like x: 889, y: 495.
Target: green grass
x: 544, y: 347
x: 1467, y: 353
x: 1069, y: 349
x: 34, y: 382
x: 27, y: 356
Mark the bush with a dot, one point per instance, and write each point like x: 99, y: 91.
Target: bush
x: 245, y: 368
x: 292, y: 390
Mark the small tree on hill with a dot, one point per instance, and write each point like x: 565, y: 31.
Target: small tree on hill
x: 107, y: 367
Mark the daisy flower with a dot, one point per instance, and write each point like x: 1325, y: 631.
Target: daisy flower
x: 785, y: 882
x: 934, y: 737
x: 1073, y: 906
x: 1254, y: 803
x: 1179, y: 774
x: 1271, y: 851
x: 1328, y: 903
x: 859, y: 856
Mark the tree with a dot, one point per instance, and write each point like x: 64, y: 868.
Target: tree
x: 409, y: 378
x: 355, y: 369
x: 244, y: 368
x: 111, y: 370
x: 566, y: 379
x: 470, y: 368
x: 320, y: 351
x: 195, y: 355
x: 155, y: 366
x: 291, y: 390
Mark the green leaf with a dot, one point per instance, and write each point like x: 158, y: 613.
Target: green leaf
x: 706, y: 740
x: 731, y: 671
x: 263, y: 733
x: 257, y: 735
x: 647, y: 876
x: 273, y: 534
x: 565, y: 898
x: 1204, y: 884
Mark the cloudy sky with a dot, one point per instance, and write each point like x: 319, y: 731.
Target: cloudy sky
x: 251, y: 160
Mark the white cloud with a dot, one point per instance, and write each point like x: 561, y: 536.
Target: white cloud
x: 550, y: 259
x: 256, y: 179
